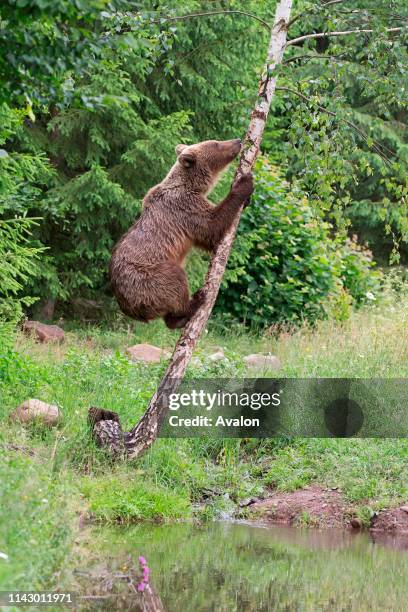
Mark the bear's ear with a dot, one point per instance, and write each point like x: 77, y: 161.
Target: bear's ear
x: 180, y: 148
x: 186, y: 159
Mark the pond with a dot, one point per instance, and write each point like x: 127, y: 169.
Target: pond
x: 239, y: 567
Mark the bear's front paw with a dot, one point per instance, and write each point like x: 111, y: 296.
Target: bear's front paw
x: 199, y: 297
x: 243, y: 187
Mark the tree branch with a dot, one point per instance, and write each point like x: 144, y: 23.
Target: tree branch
x: 295, y: 41
x: 323, y: 5
x: 206, y: 14
x: 313, y: 56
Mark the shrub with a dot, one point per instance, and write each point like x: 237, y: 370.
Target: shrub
x: 285, y: 266
x: 358, y: 277
x: 18, y: 259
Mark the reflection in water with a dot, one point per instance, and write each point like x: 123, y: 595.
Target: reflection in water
x: 390, y: 540
x: 237, y: 567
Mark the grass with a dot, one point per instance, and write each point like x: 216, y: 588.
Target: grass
x: 168, y: 483
x: 364, y: 470
x: 114, y: 498
x: 36, y: 524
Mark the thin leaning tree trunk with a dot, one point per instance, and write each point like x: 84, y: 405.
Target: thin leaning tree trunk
x: 142, y: 436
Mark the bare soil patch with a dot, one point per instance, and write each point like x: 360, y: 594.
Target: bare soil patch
x: 312, y: 506
x: 392, y: 520
x: 319, y: 507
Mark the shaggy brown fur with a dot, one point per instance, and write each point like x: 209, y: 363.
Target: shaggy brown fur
x: 146, y: 267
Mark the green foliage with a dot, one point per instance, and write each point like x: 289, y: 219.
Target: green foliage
x: 19, y: 174
x: 212, y: 65
x: 81, y: 219
x: 104, y: 160
x: 115, y: 86
x: 358, y: 277
x: 16, y: 371
x: 284, y: 265
x: 344, y: 112
x: 41, y: 41
x: 18, y: 263
x: 117, y: 137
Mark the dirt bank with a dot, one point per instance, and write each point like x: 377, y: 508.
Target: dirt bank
x: 392, y: 520
x: 318, y: 507
x: 312, y: 506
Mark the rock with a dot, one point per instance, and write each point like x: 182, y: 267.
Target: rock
x: 36, y: 410
x: 248, y: 502
x: 218, y: 356
x: 258, y: 361
x: 147, y: 353
x: 43, y: 332
x: 356, y: 523
x: 404, y: 509
x: 210, y: 493
x: 218, y: 349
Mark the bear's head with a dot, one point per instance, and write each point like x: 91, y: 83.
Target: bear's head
x: 201, y: 163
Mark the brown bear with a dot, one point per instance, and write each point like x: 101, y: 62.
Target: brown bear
x: 146, y: 270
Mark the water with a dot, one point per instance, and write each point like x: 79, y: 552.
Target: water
x: 238, y: 567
